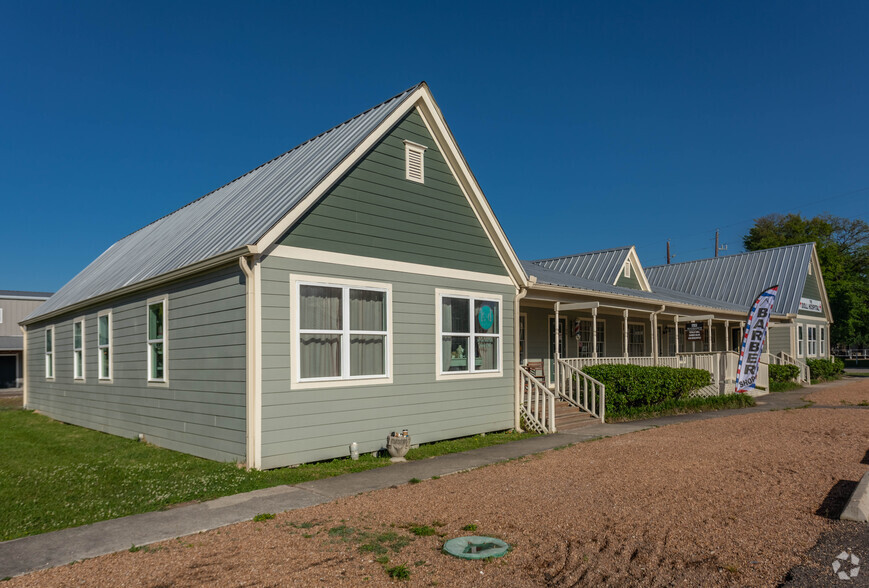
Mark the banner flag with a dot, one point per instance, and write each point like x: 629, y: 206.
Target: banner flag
x: 752, y: 340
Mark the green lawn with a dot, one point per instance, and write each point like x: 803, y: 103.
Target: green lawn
x: 54, y: 476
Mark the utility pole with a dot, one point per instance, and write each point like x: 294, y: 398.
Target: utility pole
x: 716, y: 242
x: 668, y: 252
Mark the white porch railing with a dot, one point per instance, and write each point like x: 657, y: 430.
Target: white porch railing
x: 580, y: 389
x: 581, y: 362
x: 537, y: 403
x: 784, y: 358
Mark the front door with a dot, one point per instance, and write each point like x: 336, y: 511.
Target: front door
x: 562, y: 332
x: 8, y: 371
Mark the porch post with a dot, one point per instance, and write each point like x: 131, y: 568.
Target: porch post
x: 594, y: 332
x: 655, y: 338
x: 557, y: 349
x: 727, y: 335
x: 676, y: 326
x: 625, y: 313
x: 709, y: 334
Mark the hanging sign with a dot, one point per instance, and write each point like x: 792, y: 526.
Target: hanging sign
x: 810, y: 305
x: 486, y: 317
x: 694, y: 331
x: 752, y: 340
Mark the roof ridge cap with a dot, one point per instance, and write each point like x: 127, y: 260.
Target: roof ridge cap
x: 732, y: 256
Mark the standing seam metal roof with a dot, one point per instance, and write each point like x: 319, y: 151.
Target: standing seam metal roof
x: 224, y: 220
x: 598, y: 266
x: 738, y: 279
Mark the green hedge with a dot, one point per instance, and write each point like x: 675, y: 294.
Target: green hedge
x: 824, y: 369
x: 629, y: 386
x: 783, y: 373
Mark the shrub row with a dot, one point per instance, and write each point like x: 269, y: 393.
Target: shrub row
x: 682, y: 406
x: 629, y: 386
x: 823, y: 369
x: 783, y: 373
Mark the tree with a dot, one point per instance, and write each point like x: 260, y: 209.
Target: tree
x: 843, y: 251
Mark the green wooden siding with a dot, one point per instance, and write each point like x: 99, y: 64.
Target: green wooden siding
x: 375, y: 212
x: 812, y: 290
x: 201, y: 411
x: 779, y: 339
x: 312, y: 424
x: 632, y: 282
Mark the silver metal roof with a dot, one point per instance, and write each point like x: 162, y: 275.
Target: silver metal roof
x: 738, y: 279
x: 658, y: 295
x: 224, y: 220
x: 598, y: 266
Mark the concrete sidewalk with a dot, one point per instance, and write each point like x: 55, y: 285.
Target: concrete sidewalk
x: 28, y: 554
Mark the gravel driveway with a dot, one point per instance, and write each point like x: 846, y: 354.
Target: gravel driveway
x: 725, y: 502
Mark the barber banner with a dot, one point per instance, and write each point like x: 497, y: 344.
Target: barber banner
x: 752, y: 340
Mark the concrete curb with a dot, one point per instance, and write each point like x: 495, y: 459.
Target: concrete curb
x: 857, y: 508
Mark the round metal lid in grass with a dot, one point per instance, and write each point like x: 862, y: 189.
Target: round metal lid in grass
x: 475, y: 547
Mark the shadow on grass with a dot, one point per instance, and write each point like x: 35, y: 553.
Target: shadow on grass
x: 836, y: 499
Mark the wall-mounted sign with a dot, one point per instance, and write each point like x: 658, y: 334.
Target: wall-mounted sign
x: 694, y: 331
x: 810, y: 305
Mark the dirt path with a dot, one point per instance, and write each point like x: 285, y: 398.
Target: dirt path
x: 723, y: 502
x: 853, y: 392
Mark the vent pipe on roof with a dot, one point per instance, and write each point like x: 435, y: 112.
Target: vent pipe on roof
x: 668, y: 253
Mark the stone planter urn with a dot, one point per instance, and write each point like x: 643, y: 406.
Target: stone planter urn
x: 397, y: 446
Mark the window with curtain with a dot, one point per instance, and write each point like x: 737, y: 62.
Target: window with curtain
x: 636, y: 340
x: 343, y: 332
x: 800, y: 340
x: 78, y: 349
x: 157, y: 341
x: 586, y: 339
x: 104, y: 363
x: 49, y: 352
x: 470, y: 334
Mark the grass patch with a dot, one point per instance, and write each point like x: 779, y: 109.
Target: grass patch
x: 54, y: 476
x: 263, y: 516
x: 784, y: 386
x: 681, y: 406
x: 471, y: 528
x: 422, y: 530
x: 399, y: 572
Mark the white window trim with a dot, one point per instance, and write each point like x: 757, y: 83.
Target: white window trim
x: 628, y: 269
x: 298, y: 383
x: 439, y: 334
x: 82, y: 377
x: 822, y: 331
x: 164, y: 381
x: 1, y: 316
x: 645, y: 339
x: 811, y: 342
x: 601, y: 324
x: 50, y: 356
x: 801, y: 338
x: 416, y: 148
x: 100, y: 378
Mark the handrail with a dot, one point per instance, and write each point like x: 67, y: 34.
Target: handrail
x: 787, y: 358
x: 537, y: 403
x: 581, y: 390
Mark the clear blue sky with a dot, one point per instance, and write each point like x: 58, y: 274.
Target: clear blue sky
x: 588, y: 125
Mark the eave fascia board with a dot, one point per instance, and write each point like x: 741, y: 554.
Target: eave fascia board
x: 35, y: 298
x: 180, y: 273
x: 670, y: 305
x: 816, y: 263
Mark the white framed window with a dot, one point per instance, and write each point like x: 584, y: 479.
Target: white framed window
x: 342, y: 332
x: 636, y: 339
x: 78, y: 348
x: 158, y: 327
x: 800, y: 340
x: 104, y: 345
x: 414, y: 161
x: 812, y: 341
x: 468, y: 333
x: 628, y: 269
x: 49, y: 352
x: 823, y: 341
x: 586, y: 339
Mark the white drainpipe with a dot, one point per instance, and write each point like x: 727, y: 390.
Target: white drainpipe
x: 517, y: 393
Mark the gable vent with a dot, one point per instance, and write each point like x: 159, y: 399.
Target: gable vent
x: 414, y: 156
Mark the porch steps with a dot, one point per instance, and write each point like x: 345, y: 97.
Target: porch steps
x: 569, y: 417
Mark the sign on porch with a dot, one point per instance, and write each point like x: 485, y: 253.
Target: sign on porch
x: 752, y: 340
x: 694, y: 331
